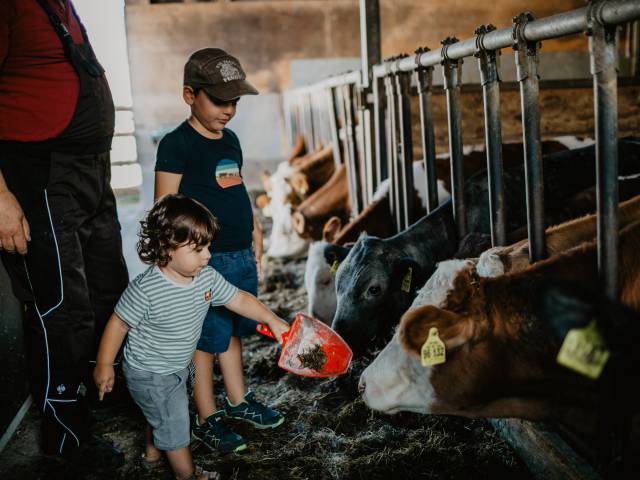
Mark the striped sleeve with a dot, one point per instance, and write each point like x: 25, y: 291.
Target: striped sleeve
x: 133, y: 305
x: 222, y: 292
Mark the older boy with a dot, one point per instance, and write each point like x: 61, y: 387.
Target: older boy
x: 203, y: 160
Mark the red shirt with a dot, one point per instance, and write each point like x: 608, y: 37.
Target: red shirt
x: 38, y: 86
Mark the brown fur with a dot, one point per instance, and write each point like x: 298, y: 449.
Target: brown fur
x: 331, y: 229
x: 375, y: 220
x: 330, y: 199
x: 313, y: 173
x: 299, y: 149
x: 507, y: 365
x: 566, y: 235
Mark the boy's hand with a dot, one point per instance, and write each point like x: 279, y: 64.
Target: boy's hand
x: 278, y: 327
x: 104, y: 376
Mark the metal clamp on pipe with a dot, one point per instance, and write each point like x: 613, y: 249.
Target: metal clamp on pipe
x: 452, y: 67
x: 487, y: 59
x: 524, y: 48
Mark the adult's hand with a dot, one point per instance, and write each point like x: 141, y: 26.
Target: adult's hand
x: 14, y: 227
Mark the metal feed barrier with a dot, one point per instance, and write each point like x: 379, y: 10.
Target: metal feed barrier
x: 367, y: 116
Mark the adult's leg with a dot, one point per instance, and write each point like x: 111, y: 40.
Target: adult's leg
x: 51, y: 281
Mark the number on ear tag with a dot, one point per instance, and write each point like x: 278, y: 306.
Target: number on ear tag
x: 584, y: 351
x: 334, y: 267
x: 406, y: 281
x: 433, y: 350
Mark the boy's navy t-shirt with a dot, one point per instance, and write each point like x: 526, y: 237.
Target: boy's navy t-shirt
x: 211, y: 174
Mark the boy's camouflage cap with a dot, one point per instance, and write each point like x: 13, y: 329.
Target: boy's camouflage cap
x: 217, y: 73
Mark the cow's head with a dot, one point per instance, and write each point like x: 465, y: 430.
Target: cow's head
x: 370, y: 293
x: 396, y: 381
x: 319, y: 281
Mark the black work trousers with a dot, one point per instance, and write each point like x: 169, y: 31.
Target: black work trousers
x: 69, y: 280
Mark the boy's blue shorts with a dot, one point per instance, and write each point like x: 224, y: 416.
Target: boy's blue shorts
x: 239, y: 269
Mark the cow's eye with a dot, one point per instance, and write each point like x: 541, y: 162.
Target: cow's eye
x: 374, y: 290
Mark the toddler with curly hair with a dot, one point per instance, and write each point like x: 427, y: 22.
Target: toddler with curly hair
x: 161, y: 314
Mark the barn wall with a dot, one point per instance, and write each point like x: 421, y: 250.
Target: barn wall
x: 268, y: 35
x: 563, y: 111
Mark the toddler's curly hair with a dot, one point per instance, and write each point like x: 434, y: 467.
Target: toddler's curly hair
x: 174, y: 221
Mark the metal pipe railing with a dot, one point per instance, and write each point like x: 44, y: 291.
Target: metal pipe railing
x: 602, y: 48
x: 490, y: 80
x: 452, y: 71
x: 560, y: 25
x: 379, y: 132
x: 405, y: 154
x: 527, y: 74
x: 392, y: 150
x: 424, y: 78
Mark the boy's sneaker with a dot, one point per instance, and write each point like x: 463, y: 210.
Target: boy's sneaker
x: 216, y: 435
x: 254, y: 412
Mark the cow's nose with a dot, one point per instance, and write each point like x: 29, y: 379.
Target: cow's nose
x: 361, y: 385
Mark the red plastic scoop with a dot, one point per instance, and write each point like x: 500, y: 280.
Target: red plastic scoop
x: 311, y: 349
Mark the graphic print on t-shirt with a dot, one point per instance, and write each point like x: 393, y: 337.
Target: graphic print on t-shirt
x: 228, y: 173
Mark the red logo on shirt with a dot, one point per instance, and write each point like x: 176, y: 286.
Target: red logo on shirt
x: 207, y: 295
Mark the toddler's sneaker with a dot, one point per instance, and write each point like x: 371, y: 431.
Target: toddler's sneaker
x: 216, y: 435
x: 252, y: 411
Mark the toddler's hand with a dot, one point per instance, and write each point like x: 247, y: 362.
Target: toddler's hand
x: 104, y: 377
x: 278, y: 327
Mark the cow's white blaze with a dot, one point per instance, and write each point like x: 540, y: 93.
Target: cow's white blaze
x: 397, y: 382
x: 436, y: 289
x: 320, y: 284
x: 489, y: 263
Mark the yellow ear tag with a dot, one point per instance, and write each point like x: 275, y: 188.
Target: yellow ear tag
x: 584, y: 351
x: 433, y: 351
x: 406, y: 281
x: 334, y: 267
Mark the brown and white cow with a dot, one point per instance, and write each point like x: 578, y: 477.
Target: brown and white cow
x: 284, y: 241
x: 500, y: 356
x: 314, y: 172
x: 500, y: 260
x: 330, y: 199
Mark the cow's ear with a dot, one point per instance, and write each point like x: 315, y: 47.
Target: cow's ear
x: 335, y: 253
x: 407, y: 276
x: 453, y: 329
x: 331, y: 229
